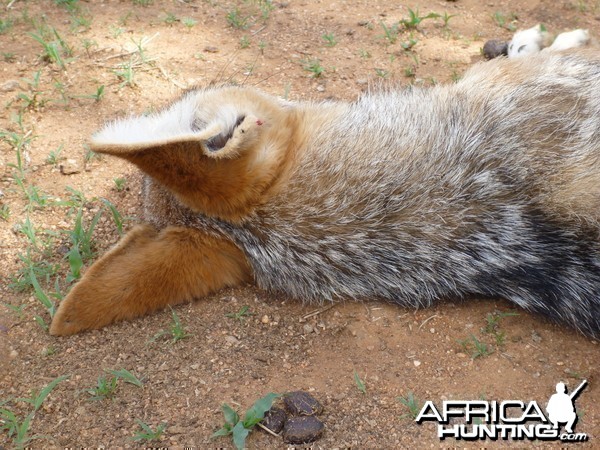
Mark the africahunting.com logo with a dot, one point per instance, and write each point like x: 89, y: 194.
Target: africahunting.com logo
x: 509, y: 419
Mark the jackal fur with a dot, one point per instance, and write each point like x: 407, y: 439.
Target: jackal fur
x: 489, y: 187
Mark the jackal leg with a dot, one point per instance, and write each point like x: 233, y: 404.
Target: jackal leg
x: 147, y: 271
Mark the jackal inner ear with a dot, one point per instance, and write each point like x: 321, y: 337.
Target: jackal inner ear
x: 216, y: 143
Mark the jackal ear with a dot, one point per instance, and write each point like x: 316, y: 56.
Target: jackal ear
x: 224, y: 133
x: 217, y: 140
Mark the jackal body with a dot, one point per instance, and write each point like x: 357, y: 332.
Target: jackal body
x: 487, y: 187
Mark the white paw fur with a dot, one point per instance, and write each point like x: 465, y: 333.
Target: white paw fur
x: 526, y: 42
x: 570, y: 39
x: 536, y: 39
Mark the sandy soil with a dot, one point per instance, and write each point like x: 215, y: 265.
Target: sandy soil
x: 283, y: 345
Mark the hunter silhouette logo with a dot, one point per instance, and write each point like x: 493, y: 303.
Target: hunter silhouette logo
x: 509, y: 419
x: 561, y: 406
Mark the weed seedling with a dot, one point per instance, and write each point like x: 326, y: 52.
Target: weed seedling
x: 170, y: 19
x: 54, y: 156
x: 5, y: 25
x: 97, y: 96
x: 244, y: 42
x: 125, y: 73
x: 364, y: 54
x: 70, y: 5
x: 477, y: 348
x: 19, y: 142
x: 241, y: 314
x: 492, y: 320
x: 409, y: 72
x: 81, y: 236
x: 126, y: 376
x: 16, y: 427
x: 176, y: 332
x: 382, y: 73
x: 21, y: 281
x: 413, y: 405
x: 4, y: 212
x: 237, y: 20
x: 359, y: 383
x: 8, y: 57
x: 492, y: 326
x: 53, y: 50
x: 265, y: 6
x: 240, y: 429
x: 504, y: 21
x: 446, y: 18
x: 91, y: 155
x: 414, y: 19
x: 329, y: 39
x: 189, y: 22
x: 314, y: 66
x: 106, y: 388
x: 120, y: 183
x: 390, y: 33
x: 408, y: 45
x: 43, y: 299
x: 117, y: 217
x: 37, y: 397
x: 147, y: 434
x: 261, y: 46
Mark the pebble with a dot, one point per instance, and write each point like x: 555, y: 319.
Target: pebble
x: 232, y: 340
x: 308, y: 328
x: 265, y: 319
x: 10, y: 85
x: 417, y: 363
x: 70, y: 167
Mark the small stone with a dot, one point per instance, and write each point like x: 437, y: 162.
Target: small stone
x: 232, y: 340
x: 417, y: 363
x: 10, y: 85
x: 211, y: 49
x: 308, y: 328
x: 13, y: 354
x: 535, y: 337
x: 494, y: 48
x: 275, y: 419
x: 301, y: 403
x: 265, y: 319
x: 301, y: 430
x: 70, y: 167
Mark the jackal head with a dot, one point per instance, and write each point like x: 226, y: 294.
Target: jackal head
x: 220, y: 151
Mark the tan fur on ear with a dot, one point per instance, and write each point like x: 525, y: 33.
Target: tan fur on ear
x: 147, y: 271
x: 227, y: 183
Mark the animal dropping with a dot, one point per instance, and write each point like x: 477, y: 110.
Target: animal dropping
x: 489, y: 187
